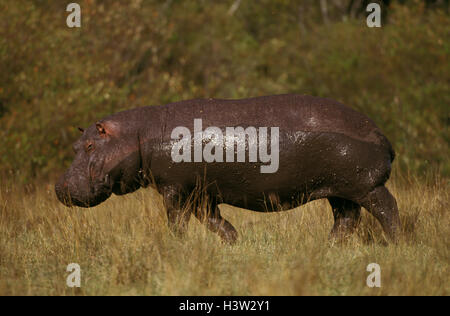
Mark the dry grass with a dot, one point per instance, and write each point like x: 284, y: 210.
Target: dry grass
x: 124, y: 247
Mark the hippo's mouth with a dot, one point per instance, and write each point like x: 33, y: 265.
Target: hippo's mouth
x: 70, y: 195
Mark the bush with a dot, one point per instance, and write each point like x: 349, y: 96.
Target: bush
x: 140, y: 53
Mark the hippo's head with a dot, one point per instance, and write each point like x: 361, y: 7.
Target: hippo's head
x: 106, y: 161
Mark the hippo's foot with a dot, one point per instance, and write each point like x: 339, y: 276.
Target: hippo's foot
x: 217, y: 224
x: 382, y: 205
x: 346, y: 215
x: 223, y: 228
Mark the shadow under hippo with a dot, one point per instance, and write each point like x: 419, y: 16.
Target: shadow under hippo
x: 317, y: 148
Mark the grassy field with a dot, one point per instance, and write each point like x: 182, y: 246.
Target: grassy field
x: 124, y: 248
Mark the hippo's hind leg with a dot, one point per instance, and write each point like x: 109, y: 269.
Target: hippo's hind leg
x: 178, y: 214
x: 346, y: 215
x: 210, y: 216
x: 382, y: 205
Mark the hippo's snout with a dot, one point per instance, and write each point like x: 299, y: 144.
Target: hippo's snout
x: 69, y: 195
x: 82, y: 193
x: 62, y: 192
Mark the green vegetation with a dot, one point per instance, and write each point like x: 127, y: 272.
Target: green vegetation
x: 139, y: 53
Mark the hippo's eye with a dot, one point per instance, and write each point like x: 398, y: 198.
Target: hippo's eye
x: 89, y: 147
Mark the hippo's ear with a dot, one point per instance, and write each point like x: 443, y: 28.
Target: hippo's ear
x: 107, y: 128
x: 100, y: 128
x: 81, y: 129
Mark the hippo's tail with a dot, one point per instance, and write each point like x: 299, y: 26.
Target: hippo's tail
x: 389, y: 146
x: 385, y: 142
x: 391, y: 150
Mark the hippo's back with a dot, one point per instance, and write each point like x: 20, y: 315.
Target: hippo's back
x: 290, y: 112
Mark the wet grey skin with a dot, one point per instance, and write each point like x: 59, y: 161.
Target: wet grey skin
x: 326, y: 150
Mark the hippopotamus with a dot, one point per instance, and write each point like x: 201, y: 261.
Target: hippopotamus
x: 319, y: 149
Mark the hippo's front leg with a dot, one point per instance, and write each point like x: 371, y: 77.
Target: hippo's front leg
x: 178, y: 214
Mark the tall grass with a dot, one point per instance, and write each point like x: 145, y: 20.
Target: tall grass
x: 124, y: 247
